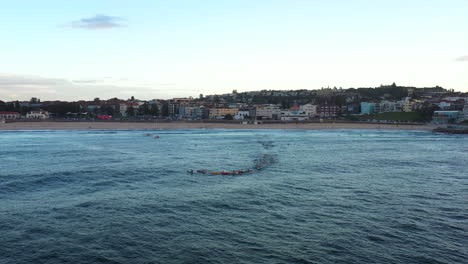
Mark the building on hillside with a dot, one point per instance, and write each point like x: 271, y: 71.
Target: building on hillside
x: 9, y: 115
x: 242, y: 114
x: 457, y: 105
x: 388, y: 106
x: 220, y: 113
x: 309, y: 109
x: 444, y: 104
x: 40, y: 114
x: 377, y: 108
x: 367, y: 108
x: 411, y: 105
x: 352, y: 108
x: 444, y: 117
x: 192, y: 112
x: 182, y: 100
x: 173, y: 108
x: 294, y: 115
x: 124, y: 107
x: 266, y: 112
x: 327, y: 110
x: 465, y: 111
x: 156, y: 104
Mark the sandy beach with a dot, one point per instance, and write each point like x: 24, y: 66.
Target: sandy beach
x: 195, y: 125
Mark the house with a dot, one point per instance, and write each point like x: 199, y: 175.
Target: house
x: 266, y: 112
x: 445, y: 104
x: 294, y: 115
x: 242, y: 115
x: 409, y: 105
x: 465, y: 111
x: 40, y: 114
x: 9, y: 115
x: 125, y: 106
x: 445, y: 117
x: 220, y: 113
x: 309, y: 109
x: 389, y: 106
x: 328, y: 110
x: 192, y: 112
x: 367, y: 108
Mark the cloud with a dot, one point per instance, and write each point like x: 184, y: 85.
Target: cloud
x: 98, y: 22
x: 23, y: 87
x: 462, y: 58
x: 86, y: 81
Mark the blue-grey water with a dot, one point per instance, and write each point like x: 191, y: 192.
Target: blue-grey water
x: 338, y: 196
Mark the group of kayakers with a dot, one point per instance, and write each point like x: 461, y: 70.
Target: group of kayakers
x: 151, y: 135
x: 259, y: 163
x: 265, y: 159
x: 235, y: 172
x: 267, y: 144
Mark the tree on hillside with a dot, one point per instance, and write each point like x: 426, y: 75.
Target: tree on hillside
x: 130, y: 111
x: 35, y: 100
x: 144, y: 109
x: 427, y: 111
x: 285, y: 104
x: 154, y: 110
x: 61, y: 109
x: 165, y: 109
x: 107, y: 110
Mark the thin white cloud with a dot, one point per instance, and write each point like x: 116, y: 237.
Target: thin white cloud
x: 98, y: 22
x: 25, y: 80
x: 23, y: 87
x: 86, y: 81
x: 462, y: 58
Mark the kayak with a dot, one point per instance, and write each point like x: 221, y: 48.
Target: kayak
x: 226, y: 172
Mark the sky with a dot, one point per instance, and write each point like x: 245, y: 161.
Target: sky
x: 73, y: 50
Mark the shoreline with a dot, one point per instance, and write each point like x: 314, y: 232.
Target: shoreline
x: 51, y: 125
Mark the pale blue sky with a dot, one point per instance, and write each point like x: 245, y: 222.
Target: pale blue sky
x: 162, y: 49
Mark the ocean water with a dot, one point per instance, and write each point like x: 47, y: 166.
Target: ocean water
x: 337, y: 196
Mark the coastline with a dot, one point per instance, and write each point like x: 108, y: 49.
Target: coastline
x: 51, y: 125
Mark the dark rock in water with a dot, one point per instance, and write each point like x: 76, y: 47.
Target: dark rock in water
x: 452, y: 130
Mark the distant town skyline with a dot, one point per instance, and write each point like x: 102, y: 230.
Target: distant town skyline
x: 163, y: 49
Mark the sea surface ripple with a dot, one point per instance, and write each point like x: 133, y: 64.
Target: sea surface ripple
x: 329, y: 196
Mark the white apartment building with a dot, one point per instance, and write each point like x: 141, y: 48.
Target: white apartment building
x: 242, y: 114
x: 38, y: 115
x: 124, y: 107
x: 9, y: 115
x: 267, y: 111
x: 465, y: 111
x: 407, y: 105
x: 309, y: 109
x: 288, y: 115
x: 391, y: 106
